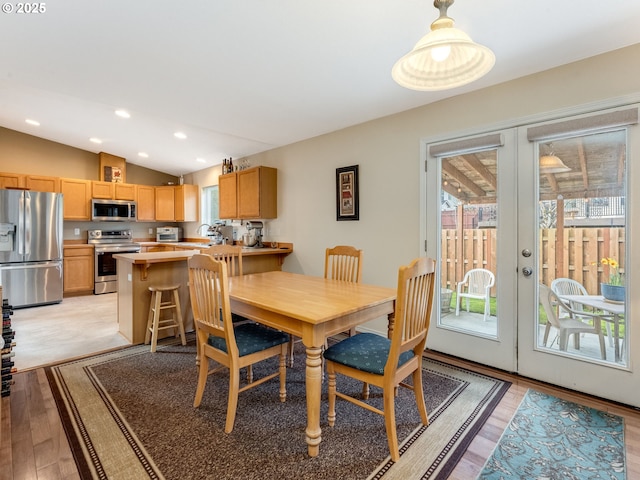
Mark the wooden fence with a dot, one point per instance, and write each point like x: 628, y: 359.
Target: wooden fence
x: 575, y: 254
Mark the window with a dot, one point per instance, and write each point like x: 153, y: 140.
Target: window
x: 210, y: 204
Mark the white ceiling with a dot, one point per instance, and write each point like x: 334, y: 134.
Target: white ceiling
x: 244, y: 76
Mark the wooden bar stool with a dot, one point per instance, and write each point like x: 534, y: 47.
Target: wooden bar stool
x: 156, y: 322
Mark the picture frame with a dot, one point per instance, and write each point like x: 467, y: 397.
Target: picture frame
x: 347, y: 193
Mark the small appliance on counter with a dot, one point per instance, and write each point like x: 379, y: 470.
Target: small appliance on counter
x: 253, y: 237
x: 168, y: 234
x: 220, y: 234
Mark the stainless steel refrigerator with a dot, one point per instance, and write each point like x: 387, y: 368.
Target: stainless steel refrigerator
x: 31, y: 235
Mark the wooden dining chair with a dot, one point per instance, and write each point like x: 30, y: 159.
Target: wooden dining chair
x: 231, y: 346
x: 230, y: 254
x: 383, y: 362
x: 340, y: 263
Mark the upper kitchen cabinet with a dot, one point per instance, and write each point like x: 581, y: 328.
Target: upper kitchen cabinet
x: 113, y: 190
x: 146, y: 203
x: 77, y: 198
x: 249, y: 194
x: 187, y: 204
x: 165, y: 204
x: 11, y: 180
x: 41, y: 183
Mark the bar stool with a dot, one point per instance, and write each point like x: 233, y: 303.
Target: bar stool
x: 155, y: 322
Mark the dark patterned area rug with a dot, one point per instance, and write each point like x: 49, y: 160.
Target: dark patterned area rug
x: 129, y: 414
x: 553, y: 438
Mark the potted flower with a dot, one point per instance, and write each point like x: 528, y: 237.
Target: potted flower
x: 614, y: 289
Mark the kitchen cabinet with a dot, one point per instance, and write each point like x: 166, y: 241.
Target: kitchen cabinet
x: 165, y: 204
x: 40, y: 183
x: 146, y: 203
x: 187, y: 203
x: 249, y: 194
x: 77, y: 198
x: 78, y: 269
x: 11, y: 180
x: 113, y: 191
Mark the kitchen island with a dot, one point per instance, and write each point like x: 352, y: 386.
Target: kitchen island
x: 138, y: 271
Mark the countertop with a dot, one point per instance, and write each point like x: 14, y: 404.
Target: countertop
x: 155, y: 257
x: 283, y: 248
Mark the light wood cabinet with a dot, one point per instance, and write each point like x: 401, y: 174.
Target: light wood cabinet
x: 77, y: 198
x: 146, y: 203
x: 102, y: 190
x: 249, y: 194
x: 165, y: 204
x: 227, y: 192
x: 78, y: 269
x: 12, y: 180
x: 41, y: 183
x: 113, y: 191
x: 187, y: 203
x: 125, y: 191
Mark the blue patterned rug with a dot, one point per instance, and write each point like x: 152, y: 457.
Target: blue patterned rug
x: 550, y: 438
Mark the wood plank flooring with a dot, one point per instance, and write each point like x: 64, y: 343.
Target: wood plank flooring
x: 34, y: 446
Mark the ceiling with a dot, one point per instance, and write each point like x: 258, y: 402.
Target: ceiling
x: 239, y: 77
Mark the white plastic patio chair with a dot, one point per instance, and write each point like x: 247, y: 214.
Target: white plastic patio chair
x: 478, y: 282
x: 568, y: 286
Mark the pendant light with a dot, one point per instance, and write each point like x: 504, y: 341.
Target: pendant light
x: 444, y: 58
x: 551, y: 163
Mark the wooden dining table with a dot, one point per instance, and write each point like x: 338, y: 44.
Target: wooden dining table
x: 312, y: 308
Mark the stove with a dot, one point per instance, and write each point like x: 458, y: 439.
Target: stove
x: 107, y: 243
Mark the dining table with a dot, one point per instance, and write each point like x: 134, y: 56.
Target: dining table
x: 598, y: 302
x: 312, y: 308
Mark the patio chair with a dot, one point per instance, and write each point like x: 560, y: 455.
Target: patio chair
x: 571, y: 324
x: 568, y: 286
x: 385, y: 362
x: 478, y: 282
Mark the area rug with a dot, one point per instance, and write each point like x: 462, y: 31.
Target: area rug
x: 129, y: 414
x: 553, y: 438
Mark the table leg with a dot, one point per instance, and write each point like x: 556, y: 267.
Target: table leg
x: 314, y: 391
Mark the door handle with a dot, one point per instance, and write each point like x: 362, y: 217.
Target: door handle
x: 527, y: 271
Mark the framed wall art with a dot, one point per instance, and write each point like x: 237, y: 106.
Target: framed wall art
x: 347, y: 204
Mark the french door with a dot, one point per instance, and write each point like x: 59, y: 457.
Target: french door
x: 494, y: 204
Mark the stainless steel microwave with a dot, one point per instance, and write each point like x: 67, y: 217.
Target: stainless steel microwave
x: 103, y: 210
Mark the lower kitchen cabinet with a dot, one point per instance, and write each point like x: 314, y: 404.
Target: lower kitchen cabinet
x: 78, y: 269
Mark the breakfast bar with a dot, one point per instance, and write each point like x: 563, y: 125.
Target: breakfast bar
x: 138, y: 271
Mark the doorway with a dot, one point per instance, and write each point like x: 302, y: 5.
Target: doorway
x: 547, y: 239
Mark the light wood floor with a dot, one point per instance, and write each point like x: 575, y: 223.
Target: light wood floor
x: 34, y: 446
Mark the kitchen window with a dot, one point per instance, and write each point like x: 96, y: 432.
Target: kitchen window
x: 210, y: 204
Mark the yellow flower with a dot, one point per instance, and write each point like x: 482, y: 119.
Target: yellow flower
x: 615, y: 278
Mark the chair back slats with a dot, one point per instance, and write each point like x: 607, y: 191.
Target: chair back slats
x: 208, y: 284
x: 568, y: 286
x: 416, y: 284
x: 479, y: 280
x: 230, y: 254
x: 343, y: 263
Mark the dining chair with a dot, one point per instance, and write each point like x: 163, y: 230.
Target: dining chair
x: 230, y: 254
x: 231, y: 346
x: 341, y: 262
x: 478, y: 283
x: 569, y: 286
x: 384, y: 362
x: 571, y: 324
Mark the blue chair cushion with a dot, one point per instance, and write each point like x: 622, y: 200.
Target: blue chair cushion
x: 365, y: 351
x: 251, y: 338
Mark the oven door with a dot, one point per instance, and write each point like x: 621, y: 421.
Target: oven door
x: 106, y: 275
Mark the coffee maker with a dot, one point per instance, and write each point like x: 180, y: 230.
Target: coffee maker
x: 253, y: 238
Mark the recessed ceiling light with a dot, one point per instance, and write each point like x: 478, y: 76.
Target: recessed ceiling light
x: 35, y: 123
x: 201, y: 160
x: 180, y: 135
x: 143, y: 154
x: 95, y: 140
x: 123, y: 114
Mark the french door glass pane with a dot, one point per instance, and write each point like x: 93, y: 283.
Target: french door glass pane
x: 469, y: 219
x: 581, y: 230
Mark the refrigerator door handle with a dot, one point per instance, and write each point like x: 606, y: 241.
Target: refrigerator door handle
x: 27, y: 224
x: 20, y: 225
